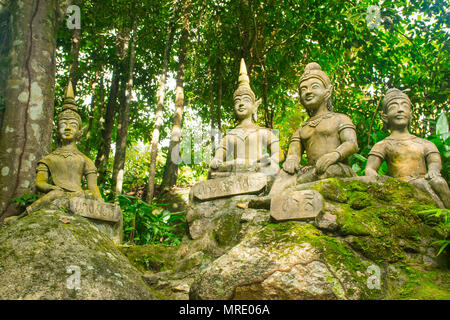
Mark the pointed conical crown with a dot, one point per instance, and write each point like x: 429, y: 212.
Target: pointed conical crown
x: 69, y: 108
x: 244, y: 83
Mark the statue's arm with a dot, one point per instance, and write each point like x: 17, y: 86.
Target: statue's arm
x: 372, y: 166
x: 220, y: 154
x: 348, y: 146
x: 91, y: 179
x: 434, y: 165
x: 292, y: 163
x: 275, y: 152
x: 349, y: 143
x: 42, y: 176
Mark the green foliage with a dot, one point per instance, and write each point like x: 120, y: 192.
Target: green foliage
x: 442, y: 141
x: 150, y: 223
x: 25, y: 200
x: 443, y: 216
x: 277, y: 40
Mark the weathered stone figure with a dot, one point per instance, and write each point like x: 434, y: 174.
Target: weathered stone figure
x: 247, y: 157
x: 59, y: 176
x: 408, y: 157
x: 62, y: 170
x: 248, y: 147
x: 328, y: 138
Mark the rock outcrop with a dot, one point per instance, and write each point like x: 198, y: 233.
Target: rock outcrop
x: 371, y: 241
x: 51, y: 254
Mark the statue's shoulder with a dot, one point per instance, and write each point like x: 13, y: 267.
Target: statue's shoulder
x: 343, y: 118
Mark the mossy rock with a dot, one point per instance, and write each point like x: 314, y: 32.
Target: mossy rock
x: 379, y: 225
x: 38, y: 251
x: 285, y: 261
x: 154, y: 258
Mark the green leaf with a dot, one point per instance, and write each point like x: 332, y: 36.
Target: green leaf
x: 442, y: 126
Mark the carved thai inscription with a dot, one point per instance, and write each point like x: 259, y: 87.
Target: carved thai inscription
x: 230, y: 186
x: 95, y: 209
x: 296, y: 205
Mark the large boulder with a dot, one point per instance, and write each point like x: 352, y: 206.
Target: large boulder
x: 372, y: 240
x: 51, y: 254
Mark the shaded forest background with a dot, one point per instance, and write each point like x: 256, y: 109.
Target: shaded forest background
x: 152, y: 75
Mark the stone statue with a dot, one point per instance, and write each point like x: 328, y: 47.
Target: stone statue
x: 408, y: 157
x: 62, y: 170
x: 59, y: 176
x: 246, y: 160
x: 248, y: 147
x: 328, y: 138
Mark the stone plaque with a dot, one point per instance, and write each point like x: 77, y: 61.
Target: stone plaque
x: 230, y: 186
x: 95, y: 209
x: 296, y: 205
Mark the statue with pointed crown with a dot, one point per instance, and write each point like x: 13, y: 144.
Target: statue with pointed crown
x: 60, y: 173
x: 408, y: 158
x: 66, y: 165
x: 328, y: 138
x: 248, y: 147
x: 247, y: 155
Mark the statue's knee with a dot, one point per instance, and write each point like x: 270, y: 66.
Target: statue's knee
x: 438, y: 182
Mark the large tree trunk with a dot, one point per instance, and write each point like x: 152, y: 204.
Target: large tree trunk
x: 159, y: 110
x: 173, y: 154
x: 124, y: 121
x: 28, y: 70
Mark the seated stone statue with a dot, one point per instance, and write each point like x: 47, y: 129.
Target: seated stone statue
x: 246, y: 160
x: 408, y: 157
x: 327, y: 137
x: 62, y: 170
x: 248, y: 147
x: 60, y: 173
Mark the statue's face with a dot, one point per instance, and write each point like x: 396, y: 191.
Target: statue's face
x: 398, y: 113
x: 68, y: 128
x: 243, y: 106
x: 313, y: 93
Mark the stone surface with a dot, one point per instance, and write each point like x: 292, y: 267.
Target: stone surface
x: 231, y: 186
x: 95, y: 209
x: 365, y: 225
x: 296, y: 205
x: 84, y: 204
x: 41, y: 253
x: 327, y: 221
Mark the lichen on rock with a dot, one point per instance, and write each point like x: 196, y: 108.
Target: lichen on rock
x: 39, y: 253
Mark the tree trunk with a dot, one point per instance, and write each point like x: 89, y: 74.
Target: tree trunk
x: 159, y: 111
x: 28, y: 70
x: 173, y: 154
x: 87, y: 147
x: 211, y: 113
x: 74, y: 55
x: 101, y: 161
x: 219, y: 96
x: 124, y: 121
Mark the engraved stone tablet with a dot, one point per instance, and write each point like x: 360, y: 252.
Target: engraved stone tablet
x: 95, y: 209
x: 296, y: 205
x: 230, y: 186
